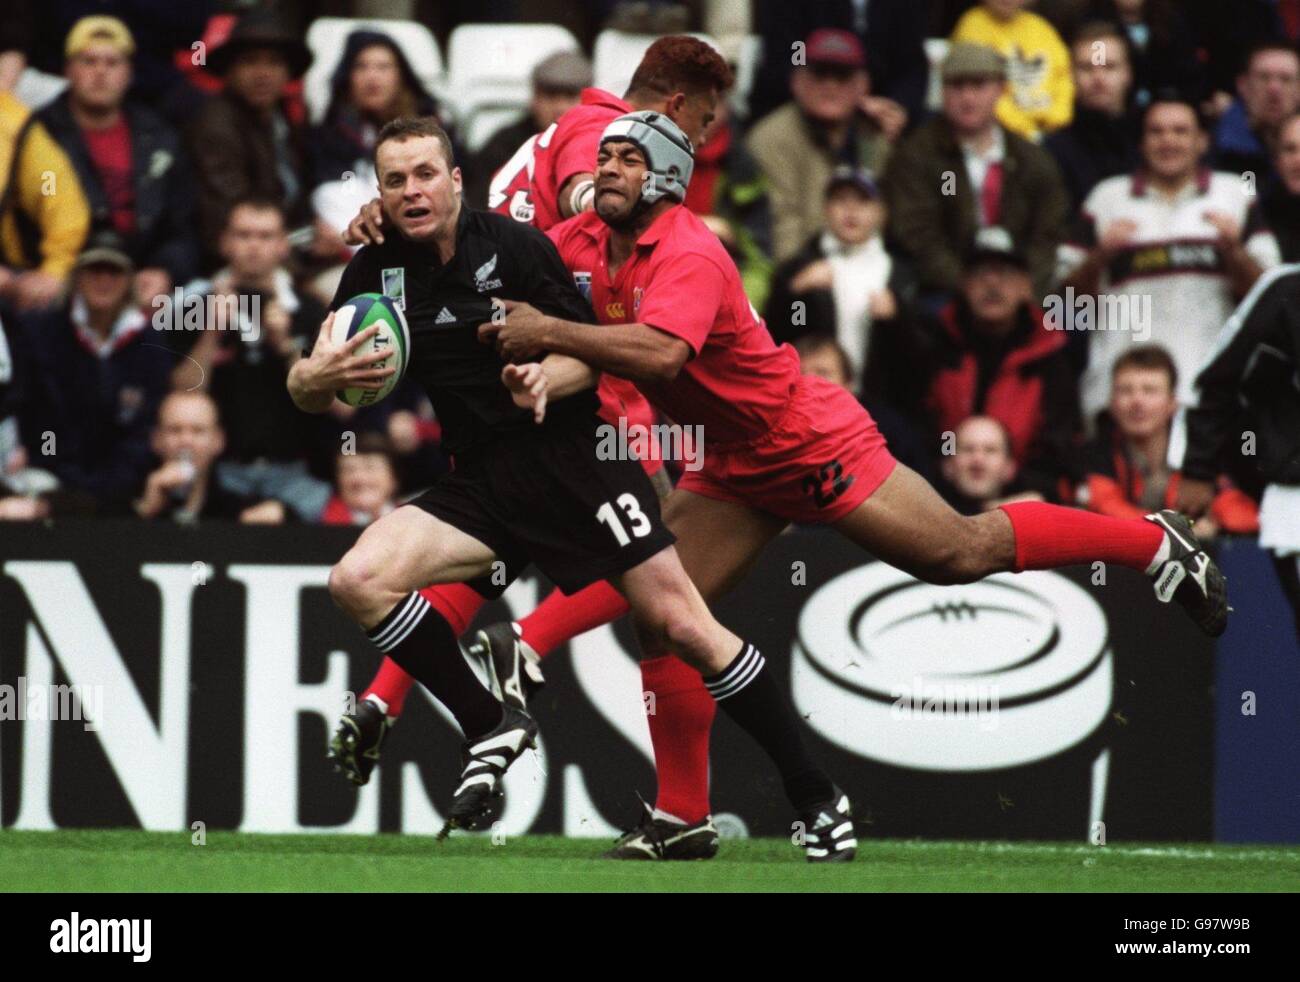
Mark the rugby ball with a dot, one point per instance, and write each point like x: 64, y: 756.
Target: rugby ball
x: 393, y: 336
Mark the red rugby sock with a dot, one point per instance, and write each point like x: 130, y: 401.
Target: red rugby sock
x: 458, y: 604
x: 1048, y: 536
x: 559, y: 619
x: 679, y: 730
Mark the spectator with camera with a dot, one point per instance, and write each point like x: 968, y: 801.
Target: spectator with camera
x: 188, y: 440
x: 255, y: 323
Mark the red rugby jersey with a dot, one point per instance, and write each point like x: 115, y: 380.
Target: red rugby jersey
x: 680, y: 280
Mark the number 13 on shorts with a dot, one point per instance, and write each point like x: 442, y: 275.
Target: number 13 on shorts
x: 638, y: 519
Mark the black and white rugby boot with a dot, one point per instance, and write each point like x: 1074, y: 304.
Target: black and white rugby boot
x: 656, y: 838
x: 1185, y: 572
x: 514, y: 670
x: 480, y: 796
x: 828, y: 831
x: 356, y: 743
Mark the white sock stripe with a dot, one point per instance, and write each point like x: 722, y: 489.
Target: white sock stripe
x: 511, y: 740
x: 410, y: 623
x: 403, y: 611
x: 736, y: 683
x: 733, y: 670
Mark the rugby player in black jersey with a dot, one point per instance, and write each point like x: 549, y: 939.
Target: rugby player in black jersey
x: 526, y: 487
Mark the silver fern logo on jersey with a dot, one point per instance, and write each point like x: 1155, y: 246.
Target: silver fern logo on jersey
x: 483, y: 280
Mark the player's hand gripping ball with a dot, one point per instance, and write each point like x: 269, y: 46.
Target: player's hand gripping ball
x: 393, y: 335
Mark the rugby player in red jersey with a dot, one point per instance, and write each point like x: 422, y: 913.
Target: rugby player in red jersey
x: 781, y: 447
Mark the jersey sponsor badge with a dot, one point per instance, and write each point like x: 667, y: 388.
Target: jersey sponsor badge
x: 521, y: 207
x: 637, y: 295
x: 393, y: 282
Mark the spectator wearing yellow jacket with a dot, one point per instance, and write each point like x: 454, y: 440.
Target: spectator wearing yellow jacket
x: 44, y: 217
x: 1040, y: 96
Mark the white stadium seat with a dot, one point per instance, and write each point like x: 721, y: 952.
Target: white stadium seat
x: 327, y: 36
x: 617, y: 53
x: 489, y: 69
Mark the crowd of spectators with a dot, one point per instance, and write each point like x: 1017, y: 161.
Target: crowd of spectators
x: 1019, y: 257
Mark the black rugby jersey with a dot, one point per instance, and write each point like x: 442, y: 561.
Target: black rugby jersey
x: 444, y: 305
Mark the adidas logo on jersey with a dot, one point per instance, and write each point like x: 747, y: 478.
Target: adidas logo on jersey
x: 445, y: 316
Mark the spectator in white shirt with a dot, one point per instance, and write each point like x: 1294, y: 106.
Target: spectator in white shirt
x: 1161, y: 256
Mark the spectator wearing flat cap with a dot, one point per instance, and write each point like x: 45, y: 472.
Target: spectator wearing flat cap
x: 842, y: 283
x: 833, y: 119
x: 962, y: 171
x: 557, y: 85
x: 130, y: 162
x: 93, y: 382
x: 243, y: 143
x: 988, y: 352
x: 1039, y: 96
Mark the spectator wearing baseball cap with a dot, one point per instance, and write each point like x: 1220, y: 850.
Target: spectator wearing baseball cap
x: 243, y: 143
x: 892, y: 33
x: 557, y: 85
x: 1040, y: 96
x: 988, y: 352
x: 833, y: 119
x: 841, y: 283
x: 130, y: 162
x: 962, y: 171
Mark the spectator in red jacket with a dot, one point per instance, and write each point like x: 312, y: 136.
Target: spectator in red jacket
x: 1128, y: 473
x: 990, y: 353
x: 366, y: 483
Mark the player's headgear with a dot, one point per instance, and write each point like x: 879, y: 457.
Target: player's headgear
x: 669, y: 155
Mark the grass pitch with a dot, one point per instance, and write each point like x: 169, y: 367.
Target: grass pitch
x: 134, y: 861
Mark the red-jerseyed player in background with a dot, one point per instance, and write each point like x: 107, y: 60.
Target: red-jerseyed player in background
x: 548, y: 179
x: 782, y: 447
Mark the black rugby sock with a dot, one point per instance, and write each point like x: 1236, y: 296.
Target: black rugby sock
x: 749, y: 695
x: 419, y: 639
